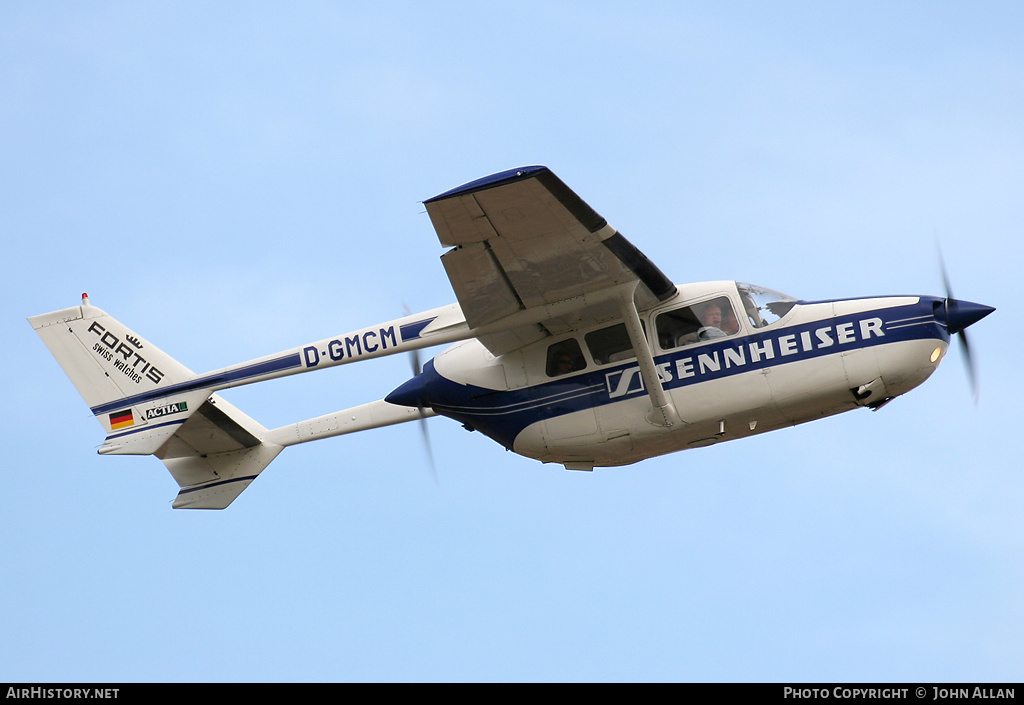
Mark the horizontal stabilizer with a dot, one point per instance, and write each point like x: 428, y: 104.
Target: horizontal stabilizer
x: 215, y: 455
x: 228, y: 473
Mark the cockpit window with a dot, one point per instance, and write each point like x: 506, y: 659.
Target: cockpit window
x: 764, y: 306
x: 693, y: 324
x: 565, y: 357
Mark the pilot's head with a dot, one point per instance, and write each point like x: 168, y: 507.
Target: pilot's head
x: 712, y: 315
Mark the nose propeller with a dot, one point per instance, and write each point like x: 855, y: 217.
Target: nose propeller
x: 960, y: 315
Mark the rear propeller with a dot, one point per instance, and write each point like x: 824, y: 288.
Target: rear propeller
x: 416, y: 369
x: 960, y: 315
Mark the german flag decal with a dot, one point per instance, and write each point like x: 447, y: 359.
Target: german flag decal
x: 121, y: 419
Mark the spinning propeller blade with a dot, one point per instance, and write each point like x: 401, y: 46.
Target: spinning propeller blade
x: 960, y: 315
x: 416, y: 369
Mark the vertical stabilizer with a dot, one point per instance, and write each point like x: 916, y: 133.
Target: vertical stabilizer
x: 119, y: 374
x: 149, y: 403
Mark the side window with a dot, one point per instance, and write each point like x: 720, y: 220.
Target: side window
x: 697, y: 323
x: 610, y: 344
x: 565, y: 357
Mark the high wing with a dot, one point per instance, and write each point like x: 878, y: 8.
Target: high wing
x: 524, y: 243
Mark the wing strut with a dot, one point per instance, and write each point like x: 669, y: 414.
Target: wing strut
x: 663, y: 413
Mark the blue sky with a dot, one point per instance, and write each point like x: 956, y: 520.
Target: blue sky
x: 242, y: 179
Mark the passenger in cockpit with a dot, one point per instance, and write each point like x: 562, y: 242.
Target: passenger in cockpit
x: 565, y: 357
x: 564, y: 364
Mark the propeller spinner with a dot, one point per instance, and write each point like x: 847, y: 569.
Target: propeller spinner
x: 960, y: 315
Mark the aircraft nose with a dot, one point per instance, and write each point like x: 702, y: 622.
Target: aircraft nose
x: 961, y: 314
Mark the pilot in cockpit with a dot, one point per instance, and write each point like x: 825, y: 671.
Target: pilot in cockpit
x: 693, y: 324
x: 711, y: 322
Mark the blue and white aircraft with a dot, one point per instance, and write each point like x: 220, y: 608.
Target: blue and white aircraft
x: 570, y: 347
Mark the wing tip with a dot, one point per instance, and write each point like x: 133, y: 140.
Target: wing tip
x: 499, y: 179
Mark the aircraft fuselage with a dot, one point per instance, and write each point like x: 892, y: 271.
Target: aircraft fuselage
x: 818, y: 359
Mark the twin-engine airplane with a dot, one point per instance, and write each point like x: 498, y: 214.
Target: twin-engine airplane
x: 571, y: 347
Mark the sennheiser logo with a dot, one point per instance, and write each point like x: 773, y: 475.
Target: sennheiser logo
x: 623, y: 382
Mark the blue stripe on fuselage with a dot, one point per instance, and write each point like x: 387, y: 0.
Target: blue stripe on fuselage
x: 503, y: 414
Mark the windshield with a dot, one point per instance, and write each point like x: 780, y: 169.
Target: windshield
x: 764, y: 306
